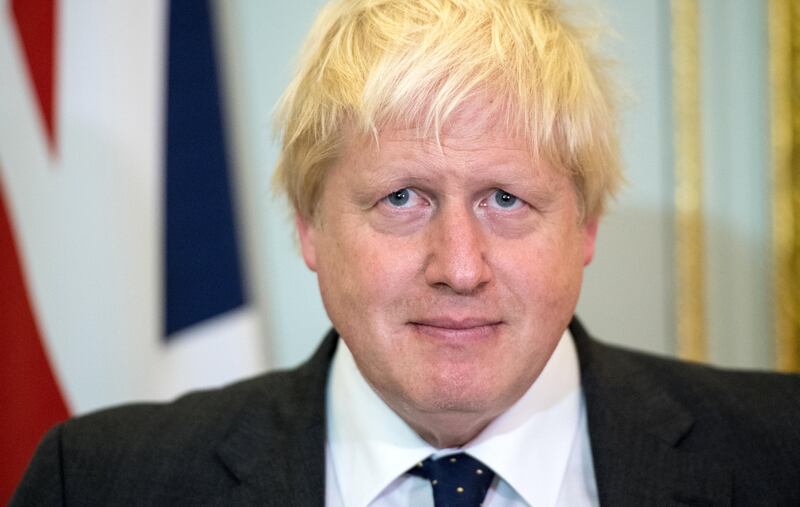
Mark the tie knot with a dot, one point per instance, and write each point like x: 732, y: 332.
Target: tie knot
x: 458, y: 480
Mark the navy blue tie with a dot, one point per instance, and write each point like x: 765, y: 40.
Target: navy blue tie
x: 458, y: 480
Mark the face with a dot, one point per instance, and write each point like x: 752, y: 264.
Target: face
x: 451, y: 269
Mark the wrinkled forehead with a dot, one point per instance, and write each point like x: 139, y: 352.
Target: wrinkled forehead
x: 480, y: 120
x: 473, y: 148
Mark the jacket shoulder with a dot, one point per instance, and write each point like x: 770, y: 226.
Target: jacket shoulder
x: 153, y: 452
x: 628, y: 378
x: 191, y: 451
x: 196, y: 418
x: 766, y: 398
x: 745, y: 420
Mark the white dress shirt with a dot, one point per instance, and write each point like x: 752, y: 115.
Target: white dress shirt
x: 539, y: 448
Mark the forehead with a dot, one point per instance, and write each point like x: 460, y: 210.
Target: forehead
x: 463, y: 155
x: 476, y: 136
x: 476, y: 123
x: 476, y: 117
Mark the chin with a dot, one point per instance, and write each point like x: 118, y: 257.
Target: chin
x: 481, y: 408
x: 458, y: 398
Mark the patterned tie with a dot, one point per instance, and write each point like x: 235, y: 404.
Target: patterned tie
x: 458, y: 480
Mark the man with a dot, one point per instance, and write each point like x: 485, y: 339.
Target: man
x: 448, y: 162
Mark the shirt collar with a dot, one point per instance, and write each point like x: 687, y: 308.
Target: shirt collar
x: 528, y: 446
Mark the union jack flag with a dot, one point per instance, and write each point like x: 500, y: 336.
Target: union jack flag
x: 120, y: 271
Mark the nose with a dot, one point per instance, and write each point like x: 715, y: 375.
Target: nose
x: 457, y: 251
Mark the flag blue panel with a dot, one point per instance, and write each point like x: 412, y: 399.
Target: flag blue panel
x: 202, y: 263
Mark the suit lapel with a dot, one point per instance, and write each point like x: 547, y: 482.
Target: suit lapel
x: 277, y: 447
x: 635, y: 427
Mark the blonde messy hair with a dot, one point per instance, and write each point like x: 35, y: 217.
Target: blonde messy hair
x: 368, y: 63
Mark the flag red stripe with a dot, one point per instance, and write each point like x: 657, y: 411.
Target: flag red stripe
x: 36, y: 26
x: 29, y: 395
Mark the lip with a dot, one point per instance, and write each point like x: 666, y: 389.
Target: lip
x: 459, y: 330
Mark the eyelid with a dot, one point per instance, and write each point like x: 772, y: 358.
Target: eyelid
x: 491, y: 203
x: 413, y: 194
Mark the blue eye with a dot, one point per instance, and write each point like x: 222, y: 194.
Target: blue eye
x: 504, y: 199
x: 399, y: 198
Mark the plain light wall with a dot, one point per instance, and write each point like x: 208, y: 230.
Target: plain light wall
x: 735, y: 112
x: 260, y: 42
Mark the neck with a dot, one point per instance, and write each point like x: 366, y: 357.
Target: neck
x: 447, y: 430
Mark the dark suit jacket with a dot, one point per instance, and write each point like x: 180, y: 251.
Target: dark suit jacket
x: 662, y: 433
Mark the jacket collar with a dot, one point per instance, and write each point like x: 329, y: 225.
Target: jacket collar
x: 276, y: 449
x: 635, y: 428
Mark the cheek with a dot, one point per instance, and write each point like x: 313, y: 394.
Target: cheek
x: 544, y: 272
x: 367, y: 270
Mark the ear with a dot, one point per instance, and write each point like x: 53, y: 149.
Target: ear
x: 306, y: 231
x: 589, y: 238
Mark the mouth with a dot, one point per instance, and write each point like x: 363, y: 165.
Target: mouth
x: 457, y: 330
